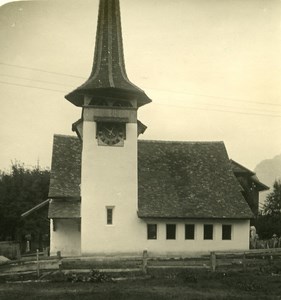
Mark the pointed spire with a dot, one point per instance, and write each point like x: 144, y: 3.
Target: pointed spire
x: 108, y: 76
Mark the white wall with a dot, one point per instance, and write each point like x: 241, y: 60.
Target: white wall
x: 180, y: 246
x: 109, y: 178
x: 66, y: 238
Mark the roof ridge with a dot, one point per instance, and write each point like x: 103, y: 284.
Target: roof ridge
x: 66, y: 135
x: 182, y: 142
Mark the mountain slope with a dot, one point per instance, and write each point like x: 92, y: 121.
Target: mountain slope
x: 268, y: 171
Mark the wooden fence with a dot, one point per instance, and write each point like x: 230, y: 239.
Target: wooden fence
x: 133, y: 266
x: 246, y: 260
x: 10, y: 249
x: 265, y: 244
x: 214, y: 261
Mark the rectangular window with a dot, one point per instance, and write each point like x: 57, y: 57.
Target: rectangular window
x: 109, y: 215
x: 151, y: 231
x: 189, y: 231
x: 226, y: 232
x: 208, y: 232
x: 54, y: 225
x: 170, y: 231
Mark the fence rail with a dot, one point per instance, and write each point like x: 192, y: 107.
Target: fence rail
x: 215, y: 261
x: 246, y: 259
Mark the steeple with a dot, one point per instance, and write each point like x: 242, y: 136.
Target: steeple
x: 108, y: 77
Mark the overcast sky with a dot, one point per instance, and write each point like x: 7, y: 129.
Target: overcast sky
x: 211, y: 67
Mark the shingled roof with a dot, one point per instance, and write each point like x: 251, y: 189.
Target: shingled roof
x: 188, y: 180
x: 64, y: 209
x: 176, y: 179
x: 66, y: 167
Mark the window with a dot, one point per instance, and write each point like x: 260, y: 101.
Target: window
x: 170, y: 231
x: 54, y: 224
x: 151, y: 231
x: 226, y: 232
x: 208, y: 232
x: 189, y: 231
x: 109, y: 215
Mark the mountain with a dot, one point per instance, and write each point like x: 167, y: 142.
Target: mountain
x: 268, y: 171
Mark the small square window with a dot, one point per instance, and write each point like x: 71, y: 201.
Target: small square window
x: 189, y: 231
x: 170, y: 231
x: 226, y: 232
x: 151, y: 231
x: 109, y: 215
x: 208, y: 232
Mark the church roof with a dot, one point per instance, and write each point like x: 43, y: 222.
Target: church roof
x: 66, y: 167
x: 64, y: 209
x: 188, y: 180
x: 108, y: 77
x: 176, y: 179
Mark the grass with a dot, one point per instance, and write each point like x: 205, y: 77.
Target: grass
x: 262, y: 284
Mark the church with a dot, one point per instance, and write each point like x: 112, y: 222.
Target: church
x: 112, y: 193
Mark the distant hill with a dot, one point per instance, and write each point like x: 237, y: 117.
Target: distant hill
x: 268, y: 171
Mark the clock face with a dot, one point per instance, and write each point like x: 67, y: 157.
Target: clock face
x: 111, y: 134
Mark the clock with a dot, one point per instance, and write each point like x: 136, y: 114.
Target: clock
x: 111, y: 134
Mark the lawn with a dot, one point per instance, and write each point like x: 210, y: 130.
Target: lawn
x: 175, y: 285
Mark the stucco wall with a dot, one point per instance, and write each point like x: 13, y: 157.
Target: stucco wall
x: 66, y: 238
x: 161, y: 246
x: 109, y: 179
x: 135, y: 239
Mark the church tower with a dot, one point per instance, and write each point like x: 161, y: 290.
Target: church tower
x: 108, y: 130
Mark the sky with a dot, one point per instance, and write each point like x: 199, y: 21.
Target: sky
x: 211, y: 67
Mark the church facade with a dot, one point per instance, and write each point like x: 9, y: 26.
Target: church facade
x: 112, y: 193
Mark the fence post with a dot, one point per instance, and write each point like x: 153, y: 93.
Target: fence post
x: 270, y: 257
x: 38, y: 265
x: 213, y: 261
x: 244, y: 262
x: 18, y: 255
x: 144, y: 261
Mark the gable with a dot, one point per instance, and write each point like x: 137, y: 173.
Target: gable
x: 239, y: 169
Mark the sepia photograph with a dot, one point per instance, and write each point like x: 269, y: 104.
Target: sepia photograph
x: 140, y: 149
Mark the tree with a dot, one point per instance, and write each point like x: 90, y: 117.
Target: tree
x: 269, y: 220
x: 272, y: 204
x: 20, y: 190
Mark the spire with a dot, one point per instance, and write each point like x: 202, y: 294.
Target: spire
x: 108, y: 77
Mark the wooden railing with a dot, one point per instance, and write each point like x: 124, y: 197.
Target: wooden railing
x: 145, y: 264
x: 255, y: 258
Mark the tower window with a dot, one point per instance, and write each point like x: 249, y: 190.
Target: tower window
x: 189, y: 231
x: 109, y: 215
x: 99, y: 102
x: 208, y: 232
x: 122, y: 103
x: 226, y: 232
x: 170, y: 231
x: 151, y: 231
